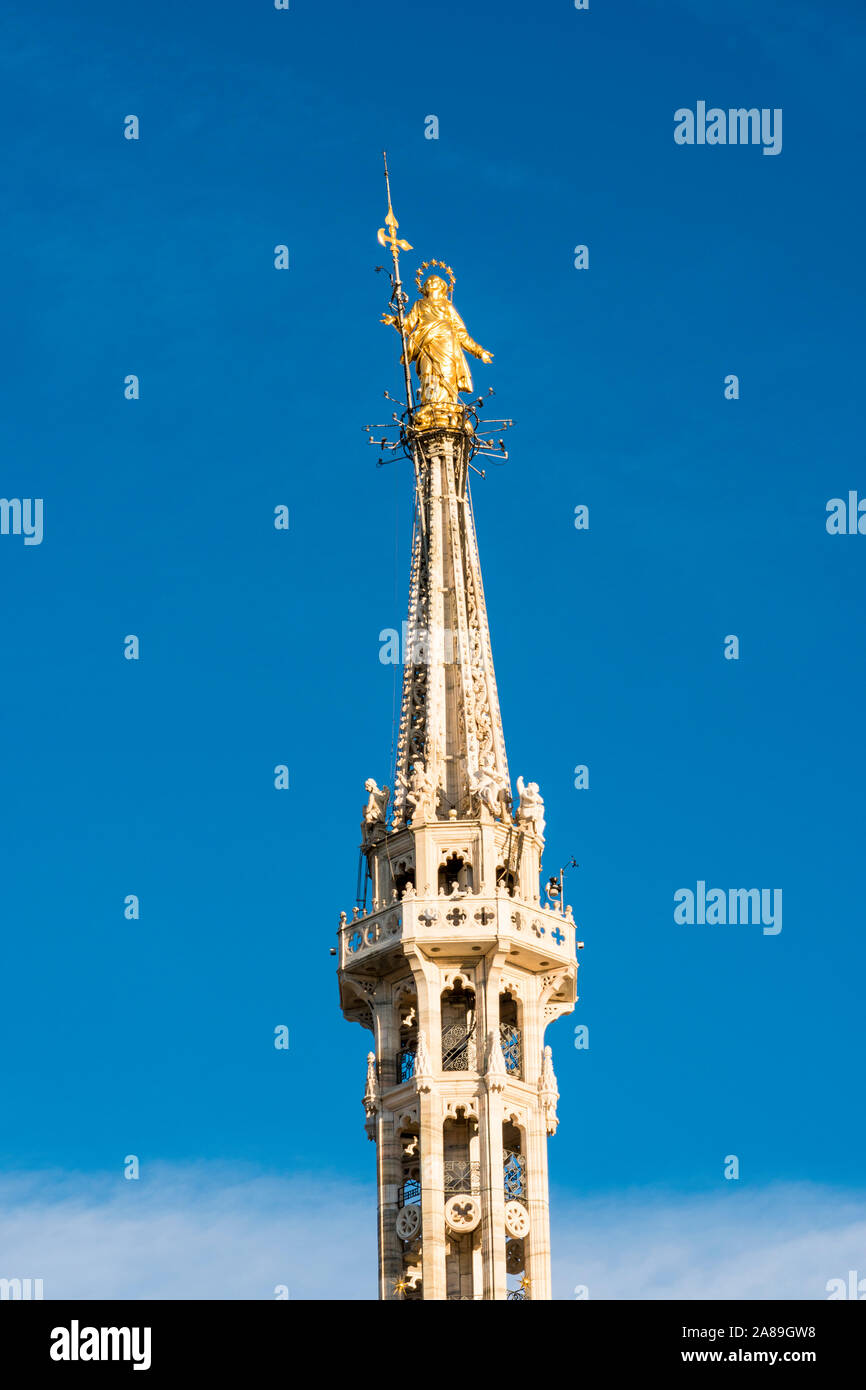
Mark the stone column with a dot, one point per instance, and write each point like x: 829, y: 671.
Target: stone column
x: 537, y: 1244
x: 432, y: 1197
x: 428, y: 981
x: 388, y: 1152
x: 389, y: 1166
x: 492, y: 1195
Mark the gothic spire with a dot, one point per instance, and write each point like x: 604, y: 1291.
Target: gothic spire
x: 451, y: 757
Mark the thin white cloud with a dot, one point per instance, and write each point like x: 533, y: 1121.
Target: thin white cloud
x: 205, y: 1231
x: 784, y: 1241
x: 199, y: 1231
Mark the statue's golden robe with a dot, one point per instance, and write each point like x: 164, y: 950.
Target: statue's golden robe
x: 436, y: 338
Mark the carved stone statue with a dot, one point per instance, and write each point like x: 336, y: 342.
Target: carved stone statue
x: 488, y: 786
x: 530, y: 812
x: 548, y: 1091
x: 420, y: 793
x: 423, y: 1067
x: 371, y: 1092
x: 436, y: 339
x: 376, y: 808
x: 496, y: 1074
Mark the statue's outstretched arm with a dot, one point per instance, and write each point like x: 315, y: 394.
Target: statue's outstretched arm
x: 476, y: 349
x: 468, y: 344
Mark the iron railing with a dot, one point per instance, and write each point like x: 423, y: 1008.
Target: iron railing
x: 514, y: 1170
x: 458, y: 1047
x: 509, y: 1036
x: 405, y: 1064
x: 461, y: 1175
x: 410, y: 1193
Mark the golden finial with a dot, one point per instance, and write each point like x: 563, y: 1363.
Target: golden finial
x: 389, y: 237
x: 399, y: 298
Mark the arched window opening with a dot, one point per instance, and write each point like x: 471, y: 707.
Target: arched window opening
x: 510, y: 1034
x: 410, y: 1186
x: 455, y: 874
x: 404, y: 876
x: 408, y: 1038
x: 462, y: 1203
x: 458, y: 1029
x: 513, y: 1163
x: 506, y: 879
x: 462, y: 1174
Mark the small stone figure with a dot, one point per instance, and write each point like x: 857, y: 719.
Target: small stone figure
x: 488, y: 785
x: 371, y: 1092
x: 376, y: 810
x: 530, y: 812
x: 423, y: 1068
x: 420, y: 793
x: 548, y: 1091
x: 496, y: 1074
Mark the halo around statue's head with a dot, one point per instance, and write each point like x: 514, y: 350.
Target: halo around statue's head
x: 428, y: 265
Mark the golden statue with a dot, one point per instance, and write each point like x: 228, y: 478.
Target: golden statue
x: 436, y: 339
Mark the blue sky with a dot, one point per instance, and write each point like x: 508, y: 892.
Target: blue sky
x: 707, y: 517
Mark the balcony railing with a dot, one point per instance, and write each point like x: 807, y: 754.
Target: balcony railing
x: 514, y: 1170
x: 458, y: 1047
x: 461, y: 1175
x: 405, y: 1064
x: 509, y: 1036
x: 410, y: 1193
